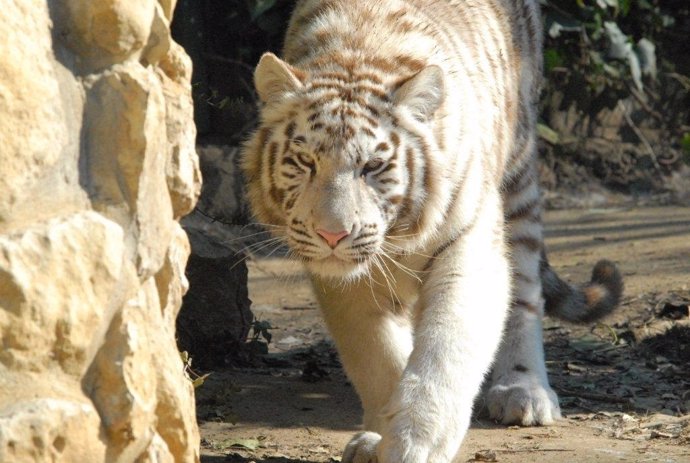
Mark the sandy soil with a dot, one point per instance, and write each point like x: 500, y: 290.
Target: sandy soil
x: 624, y: 384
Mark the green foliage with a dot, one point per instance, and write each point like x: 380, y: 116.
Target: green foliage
x: 603, y: 41
x: 599, y: 53
x: 553, y: 59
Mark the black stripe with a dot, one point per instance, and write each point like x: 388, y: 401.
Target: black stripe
x: 300, y: 232
x: 440, y: 250
x: 525, y: 211
x: 529, y: 242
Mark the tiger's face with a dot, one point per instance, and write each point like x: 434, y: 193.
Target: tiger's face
x: 332, y: 168
x: 339, y: 196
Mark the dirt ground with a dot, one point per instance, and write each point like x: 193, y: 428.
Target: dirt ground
x: 624, y: 384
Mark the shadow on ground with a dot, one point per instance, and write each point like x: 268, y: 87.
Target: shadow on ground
x: 638, y: 365
x: 623, y: 367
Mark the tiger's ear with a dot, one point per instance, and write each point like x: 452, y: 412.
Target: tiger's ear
x: 423, y: 93
x: 274, y: 77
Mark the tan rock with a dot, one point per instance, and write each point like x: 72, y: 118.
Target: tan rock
x: 156, y: 452
x: 37, y: 105
x: 168, y: 7
x: 159, y: 39
x: 182, y: 170
x: 97, y: 164
x: 171, y: 281
x: 177, y: 65
x: 126, y: 104
x: 50, y: 429
x: 107, y: 32
x: 50, y: 320
x: 122, y: 383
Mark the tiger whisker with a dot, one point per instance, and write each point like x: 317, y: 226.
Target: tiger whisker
x: 383, y: 268
x: 399, y: 250
x: 247, y: 252
x: 261, y: 245
x: 402, y: 267
x: 244, y: 237
x: 373, y: 281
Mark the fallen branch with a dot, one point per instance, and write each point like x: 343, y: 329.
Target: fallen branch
x: 672, y: 420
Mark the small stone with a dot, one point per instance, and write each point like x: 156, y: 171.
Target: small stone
x: 485, y: 455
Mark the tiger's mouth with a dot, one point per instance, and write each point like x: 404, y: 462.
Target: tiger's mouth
x: 337, y: 268
x: 343, y: 259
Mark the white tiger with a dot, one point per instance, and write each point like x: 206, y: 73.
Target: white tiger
x: 396, y: 157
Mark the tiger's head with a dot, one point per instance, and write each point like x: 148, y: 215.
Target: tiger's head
x: 340, y: 163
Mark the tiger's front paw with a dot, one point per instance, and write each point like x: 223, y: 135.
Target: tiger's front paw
x: 362, y: 448
x: 523, y: 401
x: 370, y: 447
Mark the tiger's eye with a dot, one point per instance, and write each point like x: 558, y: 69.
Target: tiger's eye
x: 307, y: 161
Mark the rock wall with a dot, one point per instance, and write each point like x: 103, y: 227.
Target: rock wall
x: 97, y: 166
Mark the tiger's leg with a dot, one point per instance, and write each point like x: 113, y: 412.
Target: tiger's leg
x: 374, y: 344
x: 463, y: 305
x: 520, y: 391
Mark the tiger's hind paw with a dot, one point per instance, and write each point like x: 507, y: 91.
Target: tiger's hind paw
x: 527, y: 403
x: 362, y: 448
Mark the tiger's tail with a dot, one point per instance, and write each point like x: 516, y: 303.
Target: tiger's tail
x: 586, y: 303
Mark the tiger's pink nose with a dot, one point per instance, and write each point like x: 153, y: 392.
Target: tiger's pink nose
x: 332, y: 238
